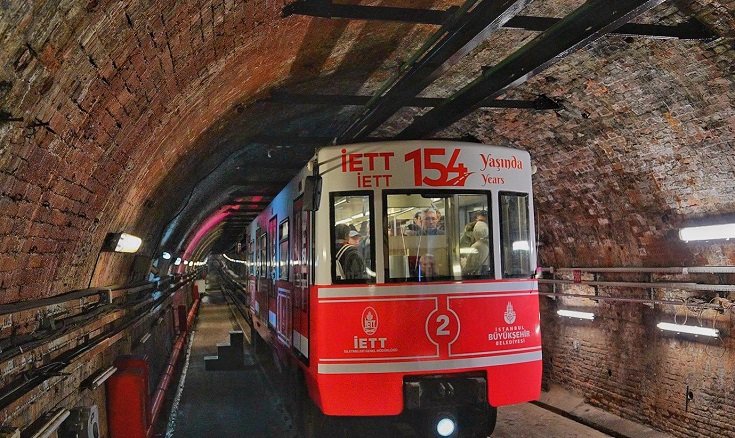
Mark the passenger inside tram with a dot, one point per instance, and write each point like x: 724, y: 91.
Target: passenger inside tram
x: 432, y: 237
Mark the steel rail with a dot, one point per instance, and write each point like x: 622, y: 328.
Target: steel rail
x: 33, y: 378
x: 684, y: 270
x: 717, y: 307
x: 647, y: 285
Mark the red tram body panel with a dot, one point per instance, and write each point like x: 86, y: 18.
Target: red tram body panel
x: 443, y: 237
x: 367, y: 339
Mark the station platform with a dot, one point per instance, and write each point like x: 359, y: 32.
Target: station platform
x: 244, y: 402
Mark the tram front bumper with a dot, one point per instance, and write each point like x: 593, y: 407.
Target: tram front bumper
x: 432, y: 392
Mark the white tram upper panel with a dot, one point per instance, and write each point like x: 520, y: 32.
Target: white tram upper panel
x: 445, y: 165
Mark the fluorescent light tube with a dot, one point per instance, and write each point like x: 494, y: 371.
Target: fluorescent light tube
x: 710, y: 232
x: 691, y: 329
x: 574, y: 314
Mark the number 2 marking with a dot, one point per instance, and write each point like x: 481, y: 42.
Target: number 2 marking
x: 442, y: 329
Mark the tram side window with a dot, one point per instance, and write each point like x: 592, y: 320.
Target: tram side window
x: 515, y: 235
x: 262, y: 254
x: 283, y: 250
x: 352, y: 237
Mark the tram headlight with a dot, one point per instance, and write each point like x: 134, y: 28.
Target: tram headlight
x: 446, y: 425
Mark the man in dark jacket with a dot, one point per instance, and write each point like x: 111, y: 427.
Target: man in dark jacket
x: 348, y: 262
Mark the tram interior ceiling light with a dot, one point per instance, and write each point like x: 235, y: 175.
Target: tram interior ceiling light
x: 690, y: 329
x: 709, y: 232
x: 177, y: 262
x: 166, y: 256
x: 521, y: 245
x: 122, y: 242
x: 575, y: 314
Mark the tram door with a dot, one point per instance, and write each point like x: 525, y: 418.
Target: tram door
x: 271, y: 269
x: 261, y: 305
x: 301, y: 256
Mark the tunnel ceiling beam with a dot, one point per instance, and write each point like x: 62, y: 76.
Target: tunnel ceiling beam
x: 586, y: 24
x: 445, y: 48
x: 691, y: 29
x: 327, y: 9
x: 540, y: 103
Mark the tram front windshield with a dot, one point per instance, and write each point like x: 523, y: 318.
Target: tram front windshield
x: 435, y: 236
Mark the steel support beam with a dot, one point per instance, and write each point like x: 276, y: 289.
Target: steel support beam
x: 326, y: 9
x: 444, y: 49
x: 587, y: 23
x: 692, y: 29
x: 540, y: 103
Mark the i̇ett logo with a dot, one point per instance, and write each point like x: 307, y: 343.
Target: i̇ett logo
x: 510, y: 315
x: 369, y: 321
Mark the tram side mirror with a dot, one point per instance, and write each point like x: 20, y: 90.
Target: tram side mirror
x: 312, y: 192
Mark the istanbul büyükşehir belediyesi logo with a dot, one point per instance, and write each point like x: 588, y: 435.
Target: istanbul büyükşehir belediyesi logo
x: 510, y: 315
x: 369, y: 321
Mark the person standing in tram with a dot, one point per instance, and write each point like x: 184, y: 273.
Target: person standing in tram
x: 348, y: 262
x: 430, y: 222
x: 479, y: 256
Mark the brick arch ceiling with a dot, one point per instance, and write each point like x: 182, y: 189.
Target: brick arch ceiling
x: 126, y: 105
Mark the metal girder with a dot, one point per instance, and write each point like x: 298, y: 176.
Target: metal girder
x: 587, y: 23
x: 291, y: 140
x: 326, y: 9
x: 691, y: 29
x: 439, y: 53
x: 540, y: 103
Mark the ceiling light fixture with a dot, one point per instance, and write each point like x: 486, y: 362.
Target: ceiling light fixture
x: 166, y: 255
x: 691, y: 329
x: 709, y: 232
x: 575, y: 314
x: 122, y: 242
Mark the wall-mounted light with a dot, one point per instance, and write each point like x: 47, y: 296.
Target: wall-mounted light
x: 177, y: 262
x: 575, y: 314
x: 691, y: 329
x: 122, y: 242
x: 709, y: 232
x: 101, y: 378
x: 52, y: 423
x: 166, y: 255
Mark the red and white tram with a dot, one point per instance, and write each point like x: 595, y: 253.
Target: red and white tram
x: 442, y: 317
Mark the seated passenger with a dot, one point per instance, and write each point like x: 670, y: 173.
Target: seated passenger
x: 427, y: 267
